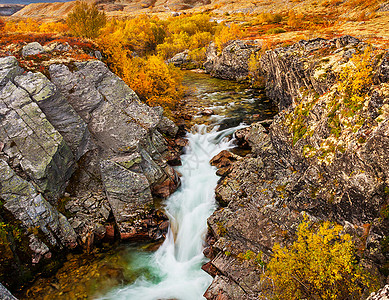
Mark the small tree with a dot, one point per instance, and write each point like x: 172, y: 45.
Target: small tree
x: 86, y: 20
x: 319, y: 265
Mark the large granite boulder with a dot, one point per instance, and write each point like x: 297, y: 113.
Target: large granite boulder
x: 132, y: 150
x: 58, y: 111
x: 33, y: 48
x: 81, y: 143
x: 9, y: 69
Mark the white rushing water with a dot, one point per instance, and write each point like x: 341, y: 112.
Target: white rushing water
x: 176, y: 265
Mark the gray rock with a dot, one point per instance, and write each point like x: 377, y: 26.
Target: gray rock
x: 9, y: 69
x: 291, y: 71
x: 383, y: 70
x: 167, y: 126
x: 179, y: 59
x: 128, y: 194
x: 58, y: 111
x: 382, y: 294
x: 5, y: 294
x: 56, y: 46
x: 266, y: 194
x: 29, y: 207
x: 233, y: 61
x: 98, y: 55
x: 33, y: 48
x: 30, y: 139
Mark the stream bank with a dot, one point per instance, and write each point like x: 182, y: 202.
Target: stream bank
x: 223, y: 97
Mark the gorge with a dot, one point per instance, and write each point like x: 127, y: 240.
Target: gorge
x: 313, y: 160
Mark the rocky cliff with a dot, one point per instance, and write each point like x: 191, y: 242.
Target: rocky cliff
x: 81, y: 161
x: 323, y: 157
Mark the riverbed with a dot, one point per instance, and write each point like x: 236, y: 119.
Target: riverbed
x: 173, y: 271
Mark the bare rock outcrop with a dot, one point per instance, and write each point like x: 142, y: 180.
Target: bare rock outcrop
x: 80, y: 155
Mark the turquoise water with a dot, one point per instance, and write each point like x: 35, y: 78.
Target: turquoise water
x: 174, y: 270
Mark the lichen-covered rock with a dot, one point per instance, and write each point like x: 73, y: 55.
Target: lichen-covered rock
x: 126, y: 132
x: 179, y: 59
x: 33, y: 48
x: 168, y: 127
x: 128, y: 194
x: 87, y: 132
x: 233, y: 61
x: 9, y: 69
x: 307, y: 66
x: 58, y: 111
x: 29, y: 207
x: 304, y: 165
x: 33, y: 143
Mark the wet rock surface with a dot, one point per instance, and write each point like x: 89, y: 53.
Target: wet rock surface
x: 264, y: 195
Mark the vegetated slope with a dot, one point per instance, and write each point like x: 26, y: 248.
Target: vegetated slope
x: 324, y: 156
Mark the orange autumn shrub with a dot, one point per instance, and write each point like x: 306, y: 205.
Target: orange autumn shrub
x: 227, y: 33
x: 154, y: 82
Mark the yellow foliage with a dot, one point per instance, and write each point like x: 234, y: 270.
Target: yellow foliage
x: 267, y: 18
x: 319, y: 265
x: 154, y: 82
x: 295, y: 20
x: 30, y: 25
x: 357, y: 77
x: 227, y: 33
x: 141, y: 34
x: 57, y: 27
x: 173, y: 44
x: 86, y: 20
x: 183, y: 33
x: 192, y: 24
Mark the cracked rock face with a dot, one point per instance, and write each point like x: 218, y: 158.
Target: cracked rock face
x: 87, y: 133
x: 344, y: 179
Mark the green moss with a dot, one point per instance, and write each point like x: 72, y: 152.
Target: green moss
x: 221, y: 229
x: 385, y: 213
x: 275, y: 30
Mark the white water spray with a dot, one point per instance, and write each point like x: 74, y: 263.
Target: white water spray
x: 177, y: 263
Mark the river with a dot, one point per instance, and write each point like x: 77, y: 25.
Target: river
x: 174, y: 270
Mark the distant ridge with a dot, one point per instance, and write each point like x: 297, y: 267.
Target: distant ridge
x: 56, y: 10
x: 10, y: 9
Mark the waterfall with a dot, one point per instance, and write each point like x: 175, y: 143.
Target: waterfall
x: 176, y: 266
